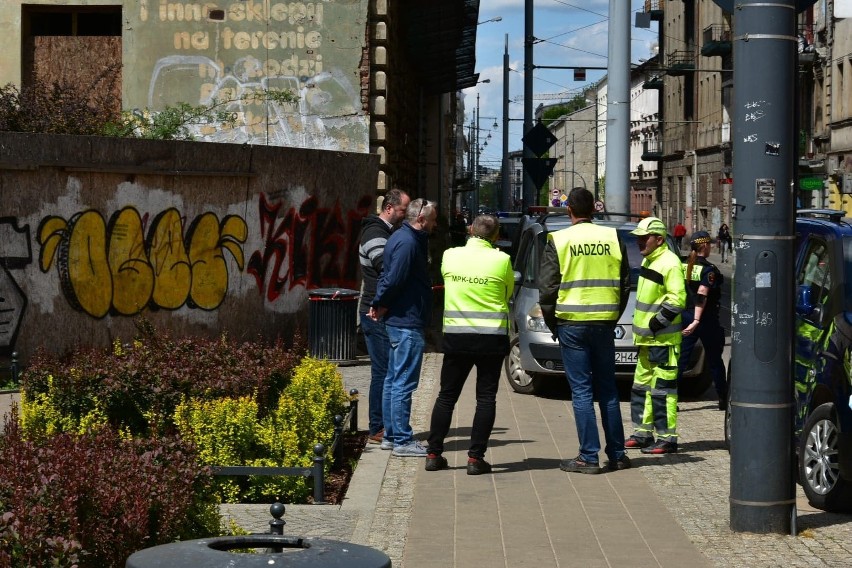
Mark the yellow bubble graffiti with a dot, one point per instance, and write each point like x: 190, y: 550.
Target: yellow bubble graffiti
x: 171, y: 263
x: 113, y: 268
x: 132, y: 274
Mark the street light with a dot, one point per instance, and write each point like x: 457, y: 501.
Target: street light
x: 494, y: 19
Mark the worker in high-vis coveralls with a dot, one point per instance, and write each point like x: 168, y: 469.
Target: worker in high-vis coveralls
x: 660, y: 299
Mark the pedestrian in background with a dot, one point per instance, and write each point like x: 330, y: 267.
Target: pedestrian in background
x: 403, y: 301
x: 660, y: 300
x: 679, y: 233
x: 726, y: 245
x: 701, y: 316
x: 583, y: 290
x: 478, y: 283
x: 375, y: 230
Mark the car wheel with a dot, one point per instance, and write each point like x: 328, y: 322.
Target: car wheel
x: 819, y: 462
x: 520, y: 381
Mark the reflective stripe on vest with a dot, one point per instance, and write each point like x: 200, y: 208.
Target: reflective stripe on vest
x: 590, y: 265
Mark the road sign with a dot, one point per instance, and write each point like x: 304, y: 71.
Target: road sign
x: 554, y: 192
x: 539, y: 169
x: 599, y: 206
x: 539, y: 139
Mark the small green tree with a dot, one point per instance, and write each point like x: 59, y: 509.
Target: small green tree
x: 176, y: 122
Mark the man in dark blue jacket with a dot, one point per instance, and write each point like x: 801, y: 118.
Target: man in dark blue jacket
x: 404, y: 301
x: 375, y: 231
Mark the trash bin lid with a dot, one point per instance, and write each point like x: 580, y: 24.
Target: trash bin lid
x: 332, y: 294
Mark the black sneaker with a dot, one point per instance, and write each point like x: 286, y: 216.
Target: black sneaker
x: 477, y: 466
x: 436, y: 462
x: 623, y: 463
x: 578, y: 465
x: 661, y: 447
x: 633, y: 442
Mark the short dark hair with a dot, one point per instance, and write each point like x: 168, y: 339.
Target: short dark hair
x: 485, y: 227
x: 581, y: 201
x: 393, y: 198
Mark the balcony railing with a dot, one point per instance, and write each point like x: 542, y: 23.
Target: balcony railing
x: 717, y: 41
x: 655, y: 8
x: 653, y: 82
x: 652, y: 150
x: 680, y: 62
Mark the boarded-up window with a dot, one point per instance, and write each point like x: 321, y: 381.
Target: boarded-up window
x: 75, y: 45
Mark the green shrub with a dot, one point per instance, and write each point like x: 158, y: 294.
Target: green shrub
x: 92, y: 500
x: 229, y: 432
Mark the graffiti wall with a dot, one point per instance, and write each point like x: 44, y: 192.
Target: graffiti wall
x: 199, y: 238
x: 200, y: 52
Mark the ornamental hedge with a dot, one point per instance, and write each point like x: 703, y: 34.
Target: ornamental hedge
x: 113, y: 447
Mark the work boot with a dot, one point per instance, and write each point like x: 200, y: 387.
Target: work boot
x: 661, y: 447
x: 579, y: 465
x: 477, y: 466
x: 436, y: 462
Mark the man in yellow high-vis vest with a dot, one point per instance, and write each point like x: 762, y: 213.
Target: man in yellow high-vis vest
x: 660, y: 299
x: 478, y: 283
x: 584, y: 282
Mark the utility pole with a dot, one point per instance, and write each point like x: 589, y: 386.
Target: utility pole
x: 763, y: 495
x: 572, y: 161
x: 530, y: 193
x: 506, y: 201
x: 475, y: 209
x: 618, y: 108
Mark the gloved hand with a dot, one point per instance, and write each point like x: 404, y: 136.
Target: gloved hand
x: 656, y: 325
x: 551, y: 323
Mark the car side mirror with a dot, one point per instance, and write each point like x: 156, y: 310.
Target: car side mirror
x: 804, y: 300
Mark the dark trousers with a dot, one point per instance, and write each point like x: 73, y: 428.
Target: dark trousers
x: 712, y: 336
x: 454, y: 372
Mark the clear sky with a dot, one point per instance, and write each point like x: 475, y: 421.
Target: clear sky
x: 571, y: 32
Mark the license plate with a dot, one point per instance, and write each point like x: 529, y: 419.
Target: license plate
x: 626, y: 356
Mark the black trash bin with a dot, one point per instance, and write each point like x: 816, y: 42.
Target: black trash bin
x: 295, y: 553
x: 332, y: 327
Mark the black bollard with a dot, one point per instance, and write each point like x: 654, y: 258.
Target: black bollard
x: 353, y: 405
x: 276, y: 525
x: 319, y: 474
x: 13, y: 368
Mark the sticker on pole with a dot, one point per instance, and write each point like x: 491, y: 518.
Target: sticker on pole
x: 764, y: 191
x: 599, y: 206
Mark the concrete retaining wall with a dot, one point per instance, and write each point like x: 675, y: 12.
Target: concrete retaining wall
x: 200, y: 238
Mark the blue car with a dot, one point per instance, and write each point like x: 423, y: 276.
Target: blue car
x: 823, y: 357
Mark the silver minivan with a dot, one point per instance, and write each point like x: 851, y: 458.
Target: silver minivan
x: 535, y: 358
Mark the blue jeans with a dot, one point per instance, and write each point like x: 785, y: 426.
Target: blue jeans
x: 378, y: 346
x: 588, y: 353
x: 404, y: 361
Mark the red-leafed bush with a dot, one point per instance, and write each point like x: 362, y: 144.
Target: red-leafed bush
x: 92, y: 500
x: 136, y: 387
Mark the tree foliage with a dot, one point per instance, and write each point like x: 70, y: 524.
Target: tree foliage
x: 553, y: 113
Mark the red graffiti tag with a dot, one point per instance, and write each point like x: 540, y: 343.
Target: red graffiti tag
x: 314, y: 247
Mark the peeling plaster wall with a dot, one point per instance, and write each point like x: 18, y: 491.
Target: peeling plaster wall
x: 199, y: 238
x: 198, y: 52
